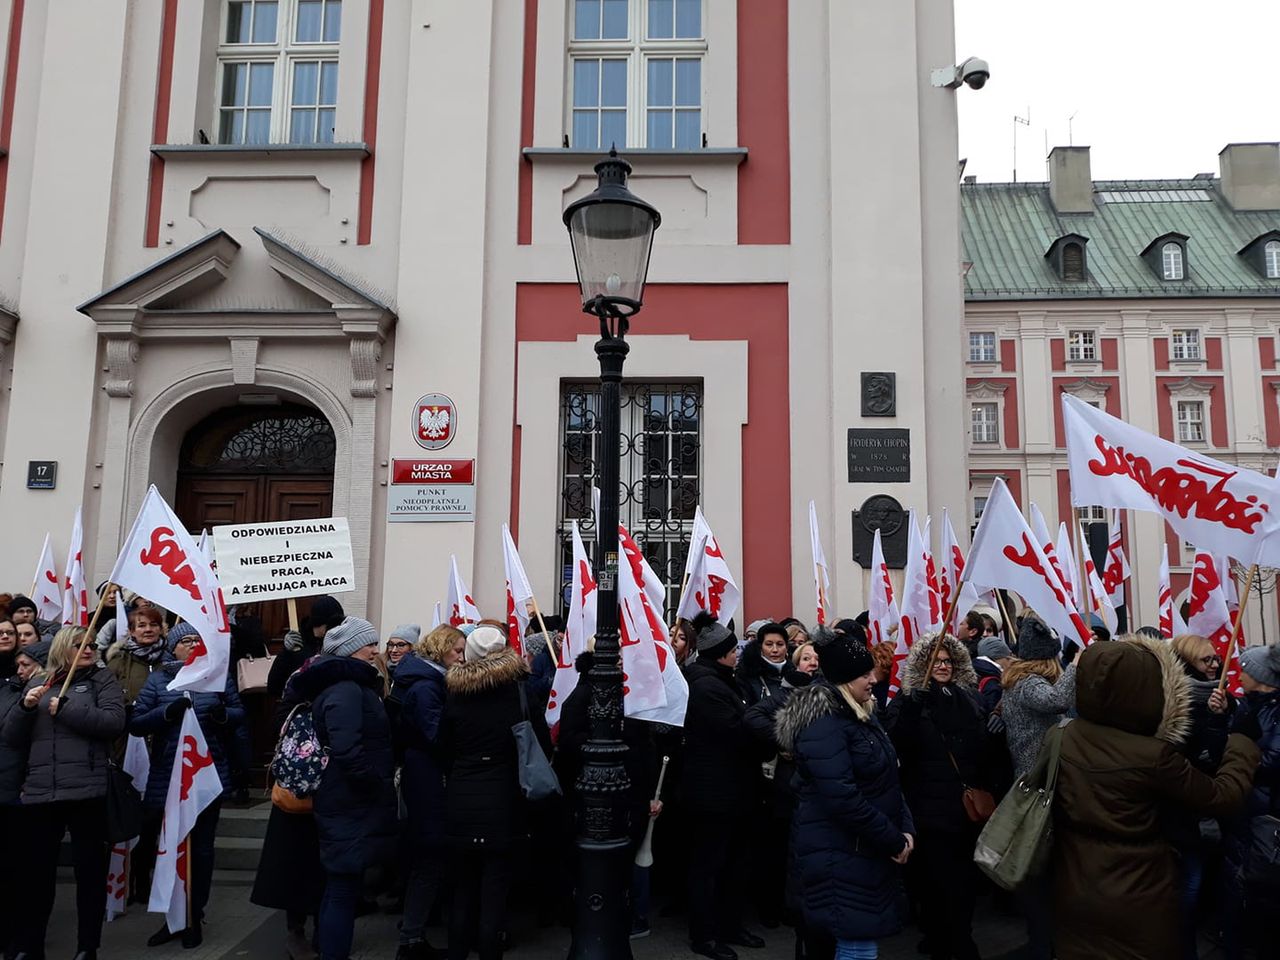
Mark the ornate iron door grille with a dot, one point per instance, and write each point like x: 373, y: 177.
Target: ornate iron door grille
x: 660, y: 474
x: 288, y: 439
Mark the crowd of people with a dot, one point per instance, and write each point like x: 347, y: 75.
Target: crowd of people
x: 821, y: 793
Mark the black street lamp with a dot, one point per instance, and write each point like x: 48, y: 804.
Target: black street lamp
x: 611, y: 231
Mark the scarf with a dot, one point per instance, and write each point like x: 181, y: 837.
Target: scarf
x: 149, y: 655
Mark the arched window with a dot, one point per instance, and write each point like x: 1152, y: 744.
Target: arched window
x: 1073, y: 262
x: 1271, y: 256
x: 1171, y: 258
x: 287, y: 439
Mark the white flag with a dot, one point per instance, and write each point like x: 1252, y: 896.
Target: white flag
x: 437, y: 616
x: 122, y: 616
x: 920, y: 613
x: 1171, y: 623
x: 1005, y: 555
x: 821, y: 580
x: 711, y: 586
x: 161, y: 562
x: 1067, y: 564
x: 206, y: 548
x: 192, y: 787
x: 1041, y: 532
x: 462, y: 609
x: 579, y: 627
x: 519, y: 593
x: 75, y: 597
x: 884, y: 618
x: 1098, y: 600
x: 1209, y: 614
x: 640, y: 629
x: 1116, y: 571
x: 951, y: 569
x: 1224, y: 509
x: 137, y: 764
x: 47, y: 594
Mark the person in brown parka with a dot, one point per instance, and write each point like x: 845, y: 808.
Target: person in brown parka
x: 1115, y: 875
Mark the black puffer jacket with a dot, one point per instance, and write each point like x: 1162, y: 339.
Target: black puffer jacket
x: 13, y: 760
x: 850, y: 819
x: 758, y: 678
x: 67, y: 755
x: 484, y: 806
x: 780, y: 795
x: 931, y: 724
x: 355, y: 807
x: 1208, y: 738
x: 720, y: 760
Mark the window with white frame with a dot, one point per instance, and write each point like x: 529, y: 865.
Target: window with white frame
x: 636, y: 74
x: 984, y: 422
x: 979, y: 505
x: 1171, y: 260
x: 1186, y: 344
x: 982, y: 347
x: 1271, y: 258
x: 1190, y: 419
x: 1082, y: 345
x: 278, y: 71
x: 1091, y: 514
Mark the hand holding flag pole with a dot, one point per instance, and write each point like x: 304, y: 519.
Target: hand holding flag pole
x: 946, y: 622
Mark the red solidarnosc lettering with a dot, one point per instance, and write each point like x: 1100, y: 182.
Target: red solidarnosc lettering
x: 957, y: 559
x: 1027, y: 558
x: 715, y: 591
x: 513, y: 625
x: 1204, y: 580
x: 51, y: 577
x: 198, y: 650
x: 1182, y: 492
x: 713, y: 549
x: 887, y: 583
x: 165, y: 553
x: 193, y: 761
x: 588, y: 583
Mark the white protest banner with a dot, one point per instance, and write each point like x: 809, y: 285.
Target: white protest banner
x: 289, y: 558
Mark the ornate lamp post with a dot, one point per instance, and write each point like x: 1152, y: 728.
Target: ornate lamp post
x: 611, y: 231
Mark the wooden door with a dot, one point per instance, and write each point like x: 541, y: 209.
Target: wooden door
x: 292, y: 498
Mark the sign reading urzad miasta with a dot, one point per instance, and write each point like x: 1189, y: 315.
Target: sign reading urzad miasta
x: 432, y: 490
x: 879, y: 456
x: 292, y: 558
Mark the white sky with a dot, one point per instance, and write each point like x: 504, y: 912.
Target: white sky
x: 1157, y: 89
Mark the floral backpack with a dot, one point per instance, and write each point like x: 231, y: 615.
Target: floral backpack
x: 299, y: 762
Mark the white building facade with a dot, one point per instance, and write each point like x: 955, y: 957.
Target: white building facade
x: 241, y: 239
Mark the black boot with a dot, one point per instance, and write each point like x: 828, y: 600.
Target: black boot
x: 160, y: 937
x: 192, y: 936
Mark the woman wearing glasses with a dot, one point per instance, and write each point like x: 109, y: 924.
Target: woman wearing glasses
x: 939, y: 729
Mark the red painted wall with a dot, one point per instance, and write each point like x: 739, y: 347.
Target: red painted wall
x: 1059, y: 383
x: 1161, y: 347
x: 1064, y: 501
x: 1270, y: 410
x: 1267, y: 355
x: 372, y: 86
x: 1217, y: 408
x: 1058, y: 353
x: 160, y: 123
x: 10, y: 92
x: 1213, y: 352
x: 553, y: 312
x: 764, y: 180
x: 1009, y: 435
x: 1110, y: 354
x: 529, y: 72
x: 1008, y: 356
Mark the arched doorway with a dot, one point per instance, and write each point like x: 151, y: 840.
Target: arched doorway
x: 248, y: 464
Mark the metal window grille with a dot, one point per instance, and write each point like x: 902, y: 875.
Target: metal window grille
x: 660, y: 474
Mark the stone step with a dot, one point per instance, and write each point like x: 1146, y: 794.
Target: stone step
x: 244, y: 821
x: 237, y: 853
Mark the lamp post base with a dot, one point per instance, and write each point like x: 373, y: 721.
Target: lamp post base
x: 602, y: 902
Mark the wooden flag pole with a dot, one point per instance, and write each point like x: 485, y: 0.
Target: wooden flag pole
x: 542, y: 625
x: 93, y: 623
x: 292, y: 605
x: 1008, y: 621
x: 1235, y: 630
x: 186, y: 843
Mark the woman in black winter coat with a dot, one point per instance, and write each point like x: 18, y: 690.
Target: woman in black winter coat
x: 68, y: 742
x: 939, y: 730
x: 771, y: 833
x: 13, y: 767
x: 852, y: 825
x: 760, y: 666
x: 299, y: 647
x: 484, y: 808
x: 420, y: 686
x: 720, y: 772
x: 355, y: 805
x: 157, y: 714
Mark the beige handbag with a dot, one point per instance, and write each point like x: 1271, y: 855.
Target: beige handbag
x: 252, y: 673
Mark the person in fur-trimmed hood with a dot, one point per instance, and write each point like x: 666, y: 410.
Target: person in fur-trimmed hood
x: 851, y: 825
x: 939, y: 728
x: 1115, y: 873
x: 484, y: 808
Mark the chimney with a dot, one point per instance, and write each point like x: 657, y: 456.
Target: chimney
x: 1251, y: 175
x: 1070, y: 180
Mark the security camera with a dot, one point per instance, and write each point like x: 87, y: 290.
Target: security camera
x: 974, y: 71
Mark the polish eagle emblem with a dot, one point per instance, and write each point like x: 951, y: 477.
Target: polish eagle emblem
x: 434, y: 422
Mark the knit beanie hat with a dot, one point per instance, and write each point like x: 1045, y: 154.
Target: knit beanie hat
x: 754, y: 626
x: 408, y: 632
x: 38, y: 651
x: 1036, y: 641
x: 177, y: 632
x: 326, y: 612
x: 714, y: 641
x: 841, y: 656
x: 21, y: 603
x: 993, y: 648
x: 1263, y: 664
x: 349, y: 636
x: 483, y: 641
